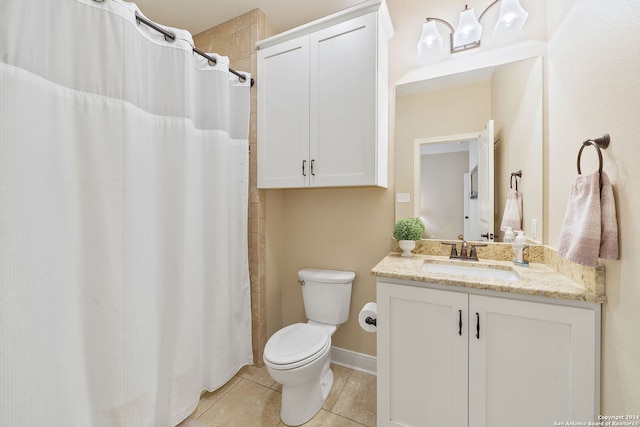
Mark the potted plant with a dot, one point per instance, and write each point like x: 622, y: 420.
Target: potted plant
x: 406, y: 232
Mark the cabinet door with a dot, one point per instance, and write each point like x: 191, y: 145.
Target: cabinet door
x: 422, y: 357
x: 533, y: 363
x: 283, y: 115
x: 343, y: 123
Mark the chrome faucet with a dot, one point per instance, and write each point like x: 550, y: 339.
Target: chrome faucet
x: 468, y: 250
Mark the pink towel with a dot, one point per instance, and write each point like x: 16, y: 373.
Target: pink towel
x: 512, y: 216
x: 589, y: 229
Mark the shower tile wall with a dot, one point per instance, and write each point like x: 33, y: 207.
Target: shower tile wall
x: 237, y: 39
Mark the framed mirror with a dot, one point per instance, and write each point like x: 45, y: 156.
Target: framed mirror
x: 433, y: 112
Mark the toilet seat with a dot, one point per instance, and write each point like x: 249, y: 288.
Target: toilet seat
x: 296, y: 345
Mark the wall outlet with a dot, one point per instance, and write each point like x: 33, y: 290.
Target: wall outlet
x: 403, y: 197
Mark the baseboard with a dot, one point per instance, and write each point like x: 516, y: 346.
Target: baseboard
x: 351, y: 359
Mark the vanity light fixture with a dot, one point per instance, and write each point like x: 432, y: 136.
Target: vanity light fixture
x: 469, y: 31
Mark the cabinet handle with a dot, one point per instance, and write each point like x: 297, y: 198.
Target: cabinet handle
x: 459, y: 322
x: 304, y: 162
x: 312, y: 173
x: 478, y: 325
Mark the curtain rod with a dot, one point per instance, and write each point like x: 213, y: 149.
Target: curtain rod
x: 169, y: 36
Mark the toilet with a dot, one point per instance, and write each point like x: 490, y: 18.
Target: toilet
x: 298, y: 356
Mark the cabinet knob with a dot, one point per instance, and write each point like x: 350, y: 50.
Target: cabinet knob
x: 312, y: 161
x: 304, y: 163
x: 478, y: 325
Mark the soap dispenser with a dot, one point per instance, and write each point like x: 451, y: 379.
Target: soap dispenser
x: 509, y: 237
x: 520, y: 250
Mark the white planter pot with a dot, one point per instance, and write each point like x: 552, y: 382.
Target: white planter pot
x: 407, y: 246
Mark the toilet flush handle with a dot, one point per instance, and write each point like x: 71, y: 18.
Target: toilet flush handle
x: 301, y: 282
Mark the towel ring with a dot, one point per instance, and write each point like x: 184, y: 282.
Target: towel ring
x: 584, y: 144
x: 601, y: 142
x: 519, y: 175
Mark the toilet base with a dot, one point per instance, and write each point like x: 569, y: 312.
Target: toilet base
x: 301, y: 402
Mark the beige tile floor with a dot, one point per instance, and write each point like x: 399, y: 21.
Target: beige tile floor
x: 252, y: 399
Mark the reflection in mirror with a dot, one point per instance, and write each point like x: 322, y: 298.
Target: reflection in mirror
x: 432, y: 111
x: 443, y: 170
x: 462, y: 204
x: 473, y: 178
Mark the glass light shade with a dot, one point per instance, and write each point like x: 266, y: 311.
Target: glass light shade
x: 469, y: 29
x: 512, y: 17
x: 430, y: 42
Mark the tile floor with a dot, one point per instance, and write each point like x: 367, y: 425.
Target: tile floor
x: 252, y: 399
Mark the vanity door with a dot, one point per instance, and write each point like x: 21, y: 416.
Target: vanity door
x: 531, y: 364
x: 422, y: 357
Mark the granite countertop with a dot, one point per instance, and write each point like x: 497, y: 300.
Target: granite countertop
x: 537, y: 279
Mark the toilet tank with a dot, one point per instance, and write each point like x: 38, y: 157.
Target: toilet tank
x: 326, y: 294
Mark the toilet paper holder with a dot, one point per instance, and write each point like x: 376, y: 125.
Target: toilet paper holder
x: 367, y: 317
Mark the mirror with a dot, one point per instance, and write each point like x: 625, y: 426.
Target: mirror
x: 448, y: 112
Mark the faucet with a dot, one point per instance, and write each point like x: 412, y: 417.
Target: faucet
x: 468, y: 250
x: 464, y: 249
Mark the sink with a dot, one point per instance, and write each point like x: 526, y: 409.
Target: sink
x: 471, y: 270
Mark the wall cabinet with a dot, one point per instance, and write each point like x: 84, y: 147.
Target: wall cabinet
x: 449, y: 358
x: 323, y: 103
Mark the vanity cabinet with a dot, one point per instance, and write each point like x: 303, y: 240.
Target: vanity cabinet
x: 454, y: 358
x: 322, y: 102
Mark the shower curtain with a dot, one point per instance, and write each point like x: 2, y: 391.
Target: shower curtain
x: 124, y: 285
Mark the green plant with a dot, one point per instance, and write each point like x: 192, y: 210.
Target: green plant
x: 408, y: 229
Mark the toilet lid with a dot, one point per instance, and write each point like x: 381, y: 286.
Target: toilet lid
x: 295, y: 343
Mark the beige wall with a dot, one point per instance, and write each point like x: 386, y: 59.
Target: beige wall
x: 593, y: 87
x: 343, y: 229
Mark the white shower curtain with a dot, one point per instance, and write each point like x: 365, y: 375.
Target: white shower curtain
x: 124, y: 286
